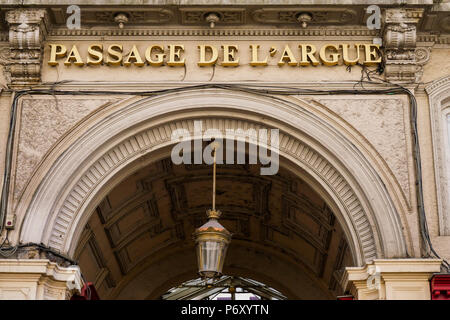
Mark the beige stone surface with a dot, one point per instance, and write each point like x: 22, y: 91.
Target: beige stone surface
x: 394, y: 279
x: 377, y: 118
x: 426, y: 148
x: 41, y: 122
x: 37, y: 279
x: 438, y: 66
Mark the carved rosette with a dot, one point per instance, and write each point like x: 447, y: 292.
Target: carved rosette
x: 400, y: 35
x: 319, y: 16
x: 27, y: 30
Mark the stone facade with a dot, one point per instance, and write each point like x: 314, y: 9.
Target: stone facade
x: 81, y: 130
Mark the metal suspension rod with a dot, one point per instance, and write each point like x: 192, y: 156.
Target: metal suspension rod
x: 214, y: 177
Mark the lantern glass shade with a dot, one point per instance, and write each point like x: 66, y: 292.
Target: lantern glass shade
x: 212, y: 241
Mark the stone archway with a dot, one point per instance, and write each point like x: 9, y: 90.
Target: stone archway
x: 132, y: 134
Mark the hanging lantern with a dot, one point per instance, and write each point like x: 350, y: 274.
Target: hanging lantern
x: 212, y: 239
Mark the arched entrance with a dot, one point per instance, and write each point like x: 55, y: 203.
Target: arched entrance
x: 123, y: 138
x: 138, y: 242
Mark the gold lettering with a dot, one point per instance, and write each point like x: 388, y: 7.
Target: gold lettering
x: 95, y: 51
x: 345, y: 55
x: 134, y: 57
x: 255, y: 62
x: 334, y: 56
x: 229, y: 56
x: 56, y: 51
x: 287, y: 56
x: 175, y: 55
x: 159, y: 56
x: 74, y: 55
x: 212, y: 60
x: 115, y: 51
x: 308, y: 54
x: 372, y: 51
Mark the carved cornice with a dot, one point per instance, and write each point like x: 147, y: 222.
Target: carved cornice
x: 436, y: 18
x: 310, y: 32
x: 433, y: 38
x: 137, y: 16
x: 403, y: 15
x: 320, y: 16
x: 26, y: 16
x: 438, y: 85
x: 403, y: 61
x: 27, y: 31
x: 226, y: 15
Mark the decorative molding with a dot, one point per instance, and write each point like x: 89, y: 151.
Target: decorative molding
x: 403, y: 15
x: 434, y: 39
x: 400, y: 37
x: 394, y: 279
x: 320, y: 16
x: 135, y: 17
x: 153, y: 137
x: 227, y: 16
x: 96, y: 16
x: 422, y: 55
x: 141, y: 16
x: 310, y: 32
x: 37, y: 279
x: 27, y: 31
x: 437, y: 86
x: 439, y: 101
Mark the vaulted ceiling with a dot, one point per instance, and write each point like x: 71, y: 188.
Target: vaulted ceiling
x: 138, y: 243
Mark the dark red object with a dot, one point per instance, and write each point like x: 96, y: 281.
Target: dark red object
x: 347, y: 297
x: 88, y: 292
x: 440, y: 287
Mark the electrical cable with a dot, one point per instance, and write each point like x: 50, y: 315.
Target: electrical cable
x: 10, y: 250
x: 265, y: 90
